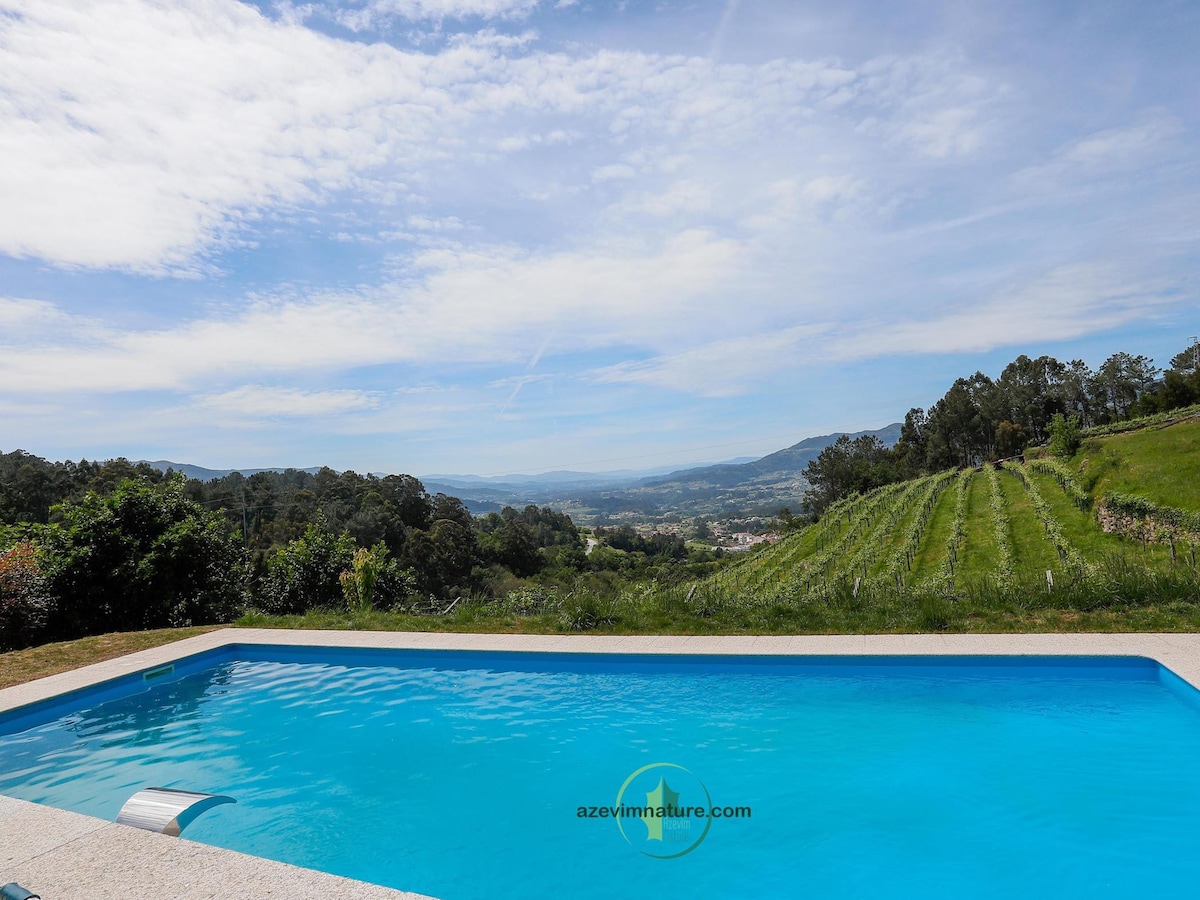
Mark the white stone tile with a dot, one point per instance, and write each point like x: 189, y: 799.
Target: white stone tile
x: 116, y: 861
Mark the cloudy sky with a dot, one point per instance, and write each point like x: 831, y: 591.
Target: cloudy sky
x: 499, y: 236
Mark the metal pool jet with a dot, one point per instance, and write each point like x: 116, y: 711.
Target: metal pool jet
x: 167, y: 810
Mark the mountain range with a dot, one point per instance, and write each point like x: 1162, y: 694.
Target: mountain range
x: 739, y: 487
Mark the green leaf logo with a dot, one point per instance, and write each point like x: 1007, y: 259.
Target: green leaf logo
x: 669, y: 832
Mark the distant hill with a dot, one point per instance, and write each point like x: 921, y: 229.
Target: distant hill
x: 564, y: 478
x: 785, y: 464
x: 759, y: 487
x: 202, y: 474
x: 744, y: 486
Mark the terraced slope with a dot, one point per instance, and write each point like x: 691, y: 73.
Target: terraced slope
x: 1130, y: 499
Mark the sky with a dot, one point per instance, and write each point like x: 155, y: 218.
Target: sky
x: 498, y: 236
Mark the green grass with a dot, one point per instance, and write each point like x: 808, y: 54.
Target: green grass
x: 979, y: 558
x: 933, y: 547
x: 1018, y: 525
x: 1126, y: 598
x: 19, y: 666
x: 1031, y: 551
x: 1080, y: 528
x: 1160, y: 464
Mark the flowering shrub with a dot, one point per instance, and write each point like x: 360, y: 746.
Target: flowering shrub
x: 24, y: 598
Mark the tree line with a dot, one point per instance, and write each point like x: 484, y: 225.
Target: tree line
x: 91, y: 547
x: 979, y: 418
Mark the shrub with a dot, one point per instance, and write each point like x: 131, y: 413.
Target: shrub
x: 143, y: 557
x: 307, y: 573
x: 1066, y: 436
x: 24, y: 597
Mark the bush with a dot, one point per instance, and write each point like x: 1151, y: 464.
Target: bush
x: 307, y: 573
x: 323, y: 570
x: 1066, y: 436
x: 587, y: 612
x: 143, y: 557
x: 24, y: 597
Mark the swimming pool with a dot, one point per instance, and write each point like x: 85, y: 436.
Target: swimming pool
x: 461, y: 775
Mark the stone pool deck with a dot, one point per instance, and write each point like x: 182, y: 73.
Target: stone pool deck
x: 64, y: 855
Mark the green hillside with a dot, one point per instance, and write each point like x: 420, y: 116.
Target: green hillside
x: 1117, y: 525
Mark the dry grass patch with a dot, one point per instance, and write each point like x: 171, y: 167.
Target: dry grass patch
x: 19, y: 666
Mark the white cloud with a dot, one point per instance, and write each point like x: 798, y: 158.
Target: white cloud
x: 681, y: 198
x: 397, y: 236
x: 217, y: 116
x: 429, y: 223
x: 615, y: 172
x: 261, y: 401
x: 17, y: 315
x: 1129, y: 148
x: 477, y: 305
x: 930, y: 103
x: 1063, y: 304
x: 381, y: 11
x: 784, y: 204
x: 1123, y: 147
x: 724, y: 368
x: 213, y: 113
x: 944, y: 132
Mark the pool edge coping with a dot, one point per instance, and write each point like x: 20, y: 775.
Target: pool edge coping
x: 96, y: 848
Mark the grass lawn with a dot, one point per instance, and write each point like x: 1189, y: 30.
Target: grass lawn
x: 933, y: 546
x: 1031, y: 550
x: 19, y: 666
x: 1079, y: 527
x: 979, y: 557
x: 1160, y: 464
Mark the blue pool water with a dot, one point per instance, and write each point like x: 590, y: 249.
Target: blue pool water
x: 461, y: 775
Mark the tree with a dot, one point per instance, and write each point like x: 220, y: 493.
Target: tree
x: 514, y: 547
x: 1181, y: 382
x: 1029, y: 388
x: 443, y: 557
x: 1010, y: 439
x: 1074, y: 391
x: 374, y: 580
x: 307, y: 573
x: 1066, y: 436
x: 143, y: 557
x: 358, y: 582
x: 959, y: 435
x: 1120, y: 382
x: 912, y: 448
x: 845, y: 467
x: 1177, y: 390
x: 1187, y: 361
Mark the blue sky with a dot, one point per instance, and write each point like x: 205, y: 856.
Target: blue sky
x: 499, y: 236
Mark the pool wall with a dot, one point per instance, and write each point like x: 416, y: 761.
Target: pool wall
x: 66, y: 855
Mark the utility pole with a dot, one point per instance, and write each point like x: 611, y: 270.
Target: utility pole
x: 1195, y: 353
